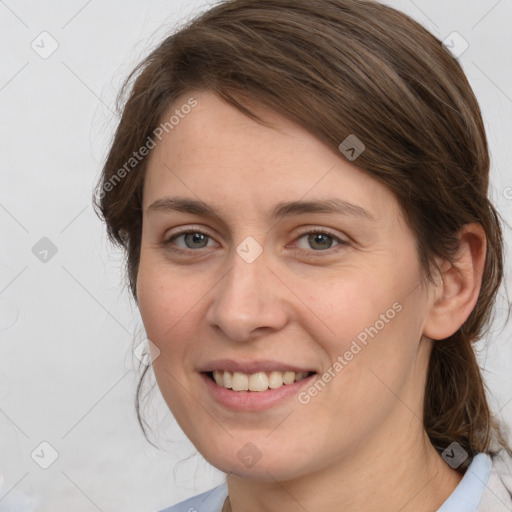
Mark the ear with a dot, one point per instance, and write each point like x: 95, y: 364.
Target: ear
x: 459, y: 285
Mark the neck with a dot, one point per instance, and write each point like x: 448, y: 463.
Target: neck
x: 410, y: 477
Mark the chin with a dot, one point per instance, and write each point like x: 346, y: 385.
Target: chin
x: 279, y: 466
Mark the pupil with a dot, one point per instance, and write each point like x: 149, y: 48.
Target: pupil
x: 197, y: 237
x: 321, y: 239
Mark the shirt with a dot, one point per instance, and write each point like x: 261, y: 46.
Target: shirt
x: 485, y: 487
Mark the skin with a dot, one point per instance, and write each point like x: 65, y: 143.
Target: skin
x: 359, y: 443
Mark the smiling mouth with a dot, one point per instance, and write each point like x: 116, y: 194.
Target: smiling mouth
x: 259, y: 381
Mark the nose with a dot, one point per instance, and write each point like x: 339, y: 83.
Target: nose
x: 249, y: 301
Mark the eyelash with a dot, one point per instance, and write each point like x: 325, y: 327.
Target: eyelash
x: 308, y: 253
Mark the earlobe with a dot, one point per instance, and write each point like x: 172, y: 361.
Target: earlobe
x: 458, y: 286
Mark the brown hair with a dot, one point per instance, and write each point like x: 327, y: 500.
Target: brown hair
x: 340, y: 67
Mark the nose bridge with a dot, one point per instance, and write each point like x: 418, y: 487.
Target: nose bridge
x: 247, y: 298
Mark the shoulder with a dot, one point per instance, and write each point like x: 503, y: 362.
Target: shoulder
x: 209, y: 501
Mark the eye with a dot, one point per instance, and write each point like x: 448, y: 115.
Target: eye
x: 191, y: 239
x: 319, y: 240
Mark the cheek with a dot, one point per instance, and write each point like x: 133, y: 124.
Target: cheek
x: 163, y: 296
x: 166, y: 316
x: 161, y: 305
x: 170, y: 308
x: 347, y: 307
x: 153, y: 299
x: 369, y: 327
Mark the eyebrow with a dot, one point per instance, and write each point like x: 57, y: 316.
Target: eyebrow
x: 281, y: 210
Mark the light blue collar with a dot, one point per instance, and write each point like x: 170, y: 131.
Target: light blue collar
x: 467, y: 495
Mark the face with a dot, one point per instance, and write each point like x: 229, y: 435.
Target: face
x: 264, y: 251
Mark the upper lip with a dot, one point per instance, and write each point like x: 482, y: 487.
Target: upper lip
x: 250, y: 367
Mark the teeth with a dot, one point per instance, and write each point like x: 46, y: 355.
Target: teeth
x: 219, y: 377
x: 275, y: 380
x: 227, y: 380
x: 289, y: 378
x: 240, y: 381
x: 259, y: 381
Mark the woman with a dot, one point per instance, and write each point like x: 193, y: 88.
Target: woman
x: 301, y: 190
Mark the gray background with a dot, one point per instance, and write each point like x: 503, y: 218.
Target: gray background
x: 67, y: 324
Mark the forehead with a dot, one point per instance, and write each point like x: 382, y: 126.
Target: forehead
x: 215, y: 153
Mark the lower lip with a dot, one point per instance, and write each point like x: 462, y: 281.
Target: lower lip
x: 252, y: 400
